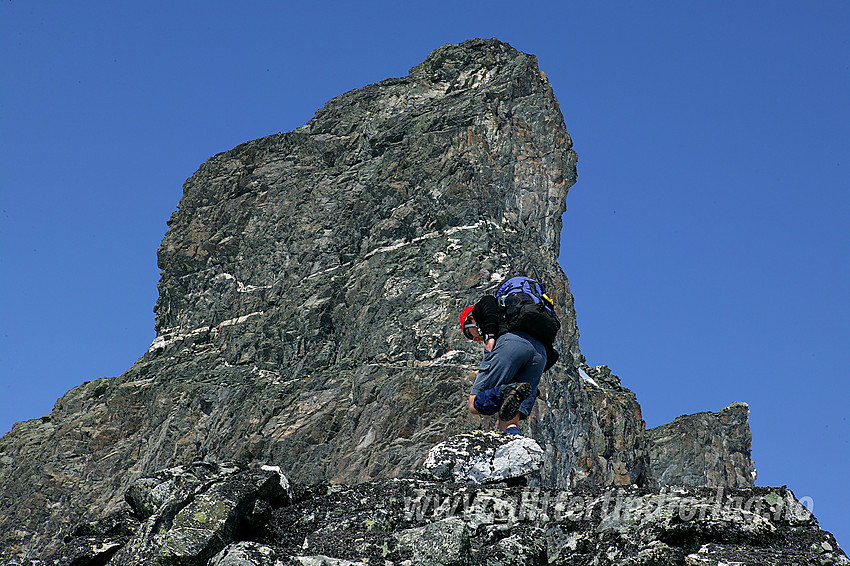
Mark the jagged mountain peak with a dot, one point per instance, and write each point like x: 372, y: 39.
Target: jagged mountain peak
x: 308, y: 303
x: 399, y: 171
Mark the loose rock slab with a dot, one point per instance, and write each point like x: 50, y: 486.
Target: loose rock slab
x: 483, y: 457
x: 191, y: 513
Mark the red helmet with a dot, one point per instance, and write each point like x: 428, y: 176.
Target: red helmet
x: 463, y: 316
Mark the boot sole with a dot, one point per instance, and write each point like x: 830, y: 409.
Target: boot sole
x: 510, y: 406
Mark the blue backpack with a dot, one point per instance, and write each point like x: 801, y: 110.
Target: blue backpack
x: 524, y: 307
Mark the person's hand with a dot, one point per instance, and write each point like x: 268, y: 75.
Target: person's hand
x: 490, y: 344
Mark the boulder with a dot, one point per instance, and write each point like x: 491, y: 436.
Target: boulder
x: 245, y: 554
x: 483, y: 457
x: 173, y: 487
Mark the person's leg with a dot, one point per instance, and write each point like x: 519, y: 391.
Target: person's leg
x: 485, y: 402
x: 519, y: 395
x: 505, y: 424
x: 496, y: 369
x: 513, y: 430
x: 531, y: 372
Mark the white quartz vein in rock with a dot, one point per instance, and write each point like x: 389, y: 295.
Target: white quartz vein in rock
x: 241, y: 287
x: 169, y: 336
x: 429, y: 236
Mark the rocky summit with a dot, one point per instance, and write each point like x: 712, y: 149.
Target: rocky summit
x: 307, y: 359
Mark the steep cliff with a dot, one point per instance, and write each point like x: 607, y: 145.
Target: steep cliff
x: 310, y: 288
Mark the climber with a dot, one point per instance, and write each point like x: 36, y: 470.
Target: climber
x: 517, y: 327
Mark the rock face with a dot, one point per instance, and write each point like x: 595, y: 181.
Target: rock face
x: 310, y: 289
x: 592, y: 431
x: 705, y: 449
x: 419, y: 523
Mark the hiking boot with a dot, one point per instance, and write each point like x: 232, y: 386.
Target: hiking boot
x: 513, y: 430
x: 512, y: 395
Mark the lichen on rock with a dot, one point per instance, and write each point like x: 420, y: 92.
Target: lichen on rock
x: 483, y: 457
x: 421, y: 522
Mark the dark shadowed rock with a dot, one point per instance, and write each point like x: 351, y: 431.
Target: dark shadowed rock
x: 421, y: 523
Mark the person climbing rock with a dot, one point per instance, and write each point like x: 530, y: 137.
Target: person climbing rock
x: 517, y: 327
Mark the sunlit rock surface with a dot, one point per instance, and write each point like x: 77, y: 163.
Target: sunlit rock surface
x: 704, y: 449
x: 483, y: 457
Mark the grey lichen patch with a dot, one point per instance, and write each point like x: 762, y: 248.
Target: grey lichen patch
x: 483, y: 457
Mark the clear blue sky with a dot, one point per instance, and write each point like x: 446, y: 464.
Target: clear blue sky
x: 706, y: 240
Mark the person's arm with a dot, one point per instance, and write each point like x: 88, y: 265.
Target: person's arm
x: 486, y: 315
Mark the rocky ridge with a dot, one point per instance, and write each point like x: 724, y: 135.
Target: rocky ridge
x: 310, y: 287
x: 231, y: 516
